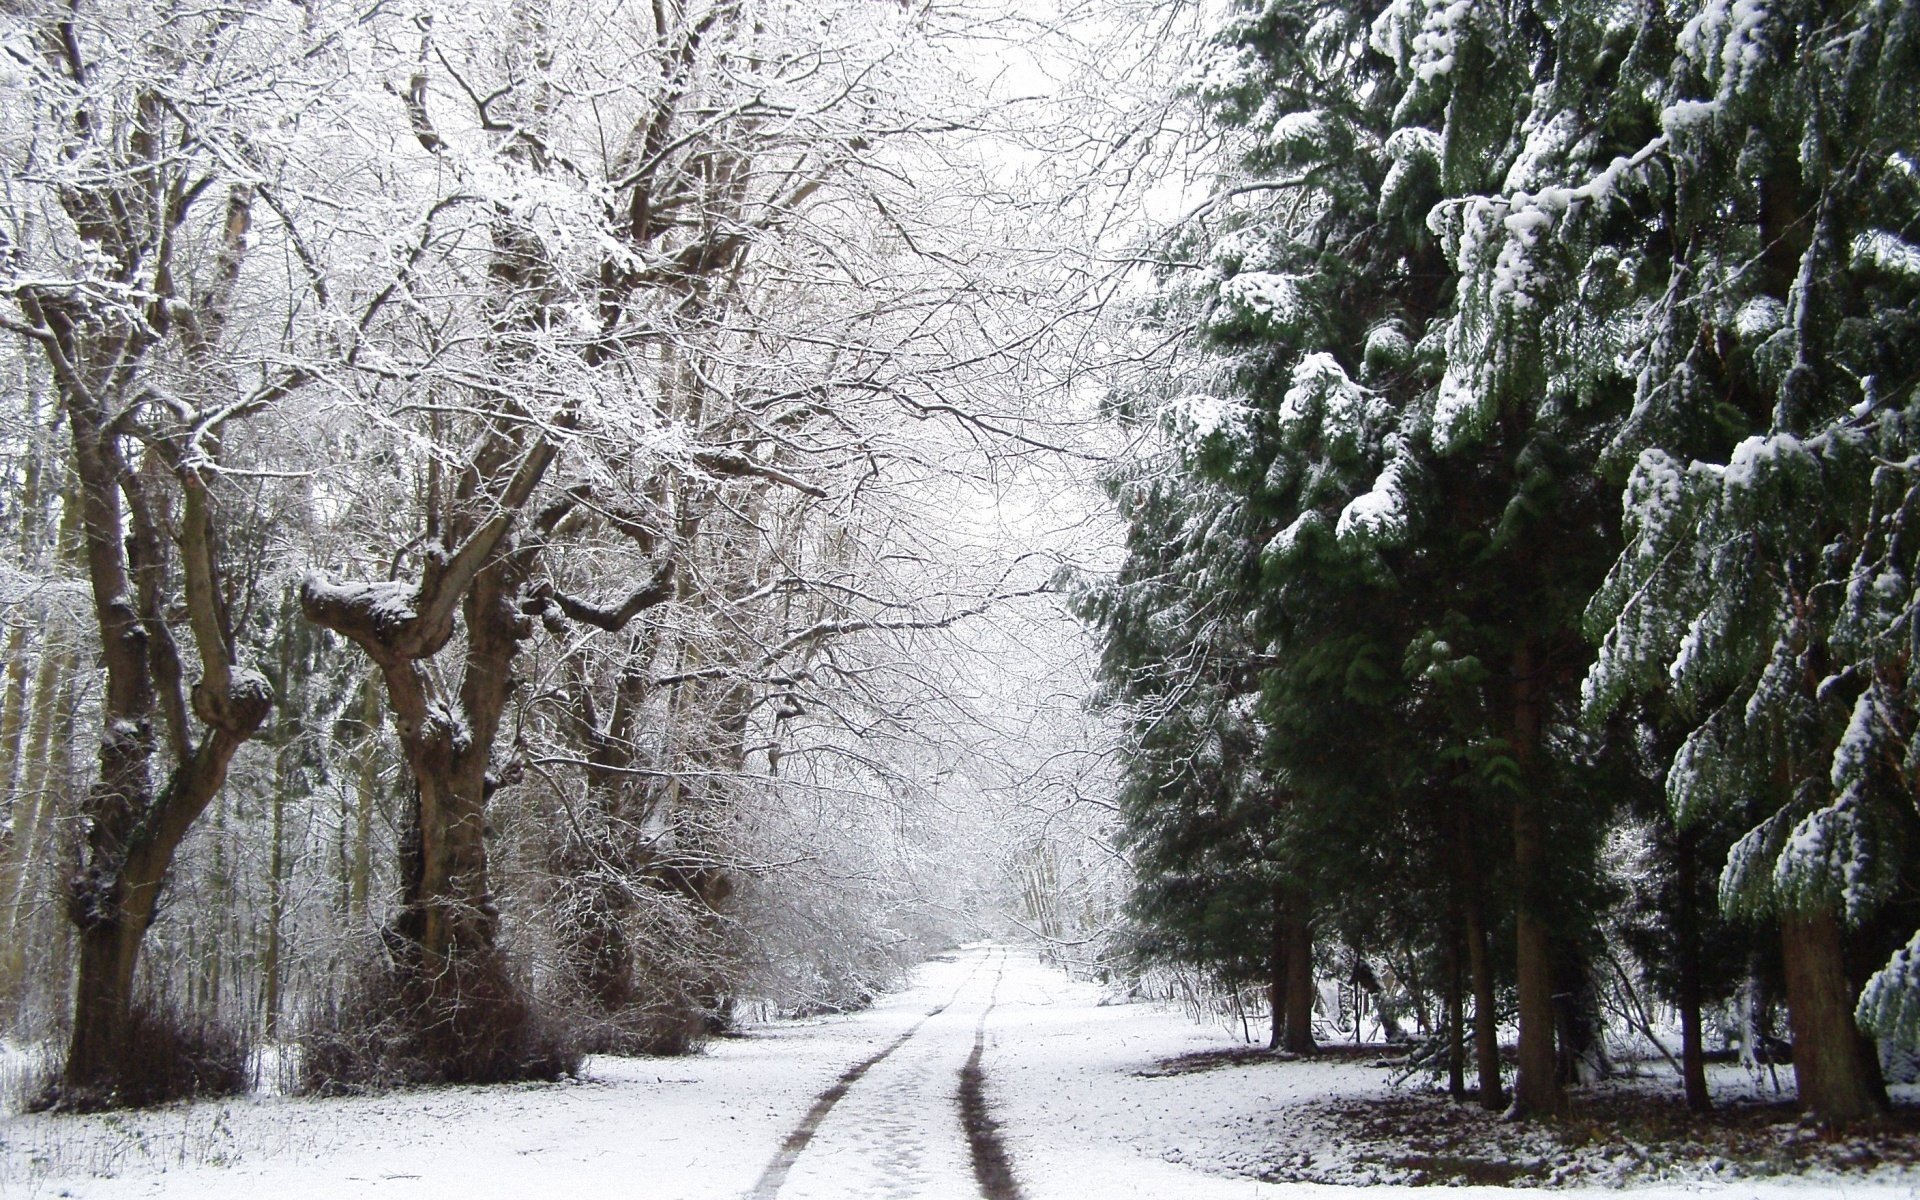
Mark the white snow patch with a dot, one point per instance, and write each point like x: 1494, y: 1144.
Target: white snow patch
x: 1685, y: 114
x: 1283, y: 544
x: 1456, y: 407
x: 1308, y: 126
x: 1201, y: 416
x: 1889, y: 252
x: 389, y: 602
x: 1269, y: 294
x: 1378, y: 516
x: 1757, y: 454
x: 1759, y: 317
x: 1079, y: 1088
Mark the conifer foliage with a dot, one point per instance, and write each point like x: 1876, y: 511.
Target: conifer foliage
x: 1566, y: 353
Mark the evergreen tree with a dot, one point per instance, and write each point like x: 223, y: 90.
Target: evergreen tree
x: 1767, y: 583
x: 1198, y: 811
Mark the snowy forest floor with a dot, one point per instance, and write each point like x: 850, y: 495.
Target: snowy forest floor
x: 1088, y: 1100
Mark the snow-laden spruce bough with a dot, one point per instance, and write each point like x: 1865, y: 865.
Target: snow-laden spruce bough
x: 1531, y: 578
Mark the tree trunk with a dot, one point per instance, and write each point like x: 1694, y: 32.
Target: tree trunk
x: 102, y: 1011
x: 366, y: 780
x: 1693, y: 1058
x: 1536, y: 1085
x: 1486, y: 1031
x: 1581, y: 1039
x: 1456, y: 1016
x: 1473, y: 929
x: 1834, y: 1067
x: 113, y: 908
x: 34, y: 810
x: 1277, y: 976
x: 270, y: 967
x: 1299, y: 937
x: 446, y: 904
x: 13, y: 715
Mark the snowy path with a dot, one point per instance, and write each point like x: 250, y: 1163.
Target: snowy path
x: 861, y: 1107
x: 891, y: 1128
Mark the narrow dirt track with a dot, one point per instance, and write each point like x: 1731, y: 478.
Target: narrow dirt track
x: 909, y: 1121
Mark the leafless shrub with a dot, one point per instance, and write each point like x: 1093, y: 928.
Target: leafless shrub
x: 472, y: 1022
x: 169, y: 1055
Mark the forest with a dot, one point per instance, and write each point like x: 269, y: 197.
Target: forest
x: 540, y: 528
x: 1515, y: 593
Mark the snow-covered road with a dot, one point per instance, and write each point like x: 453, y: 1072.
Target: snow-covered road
x: 858, y: 1107
x: 892, y: 1126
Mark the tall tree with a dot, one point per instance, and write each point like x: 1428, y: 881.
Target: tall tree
x: 131, y: 220
x: 1766, y: 583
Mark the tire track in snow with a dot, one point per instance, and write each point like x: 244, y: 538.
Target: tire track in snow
x: 991, y: 1170
x: 775, y: 1175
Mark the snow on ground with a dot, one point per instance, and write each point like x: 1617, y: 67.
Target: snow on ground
x: 669, y: 1128
x: 1082, y: 1099
x: 1089, y: 1107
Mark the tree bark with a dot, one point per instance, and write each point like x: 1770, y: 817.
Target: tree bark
x: 1693, y: 1058
x: 127, y: 210
x: 113, y: 909
x: 1277, y: 976
x: 1486, y: 1032
x: 366, y: 779
x: 1473, y: 930
x: 270, y: 966
x: 34, y: 809
x: 1456, y: 1014
x: 13, y: 715
x: 1536, y: 1085
x: 465, y: 1016
x: 1834, y: 1067
x: 1582, y: 1053
x: 1300, y: 993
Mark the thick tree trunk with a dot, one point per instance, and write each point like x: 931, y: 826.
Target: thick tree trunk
x: 1300, y: 992
x: 1834, y: 1067
x: 112, y: 908
x: 461, y: 1012
x: 1581, y: 1041
x: 1693, y: 1058
x: 102, y: 1012
x: 446, y: 905
x: 1536, y: 1085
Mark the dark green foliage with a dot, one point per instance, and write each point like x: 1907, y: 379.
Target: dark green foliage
x: 1477, y: 267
